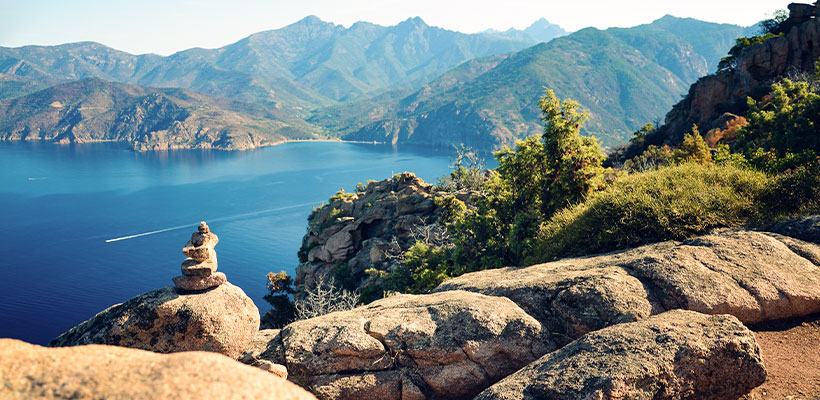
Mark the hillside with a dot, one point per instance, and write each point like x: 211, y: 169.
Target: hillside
x: 308, y: 63
x: 625, y: 77
x: 92, y: 110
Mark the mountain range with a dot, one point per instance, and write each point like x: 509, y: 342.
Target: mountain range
x: 408, y: 83
x: 624, y: 78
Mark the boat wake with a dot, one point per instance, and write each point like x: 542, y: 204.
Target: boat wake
x: 229, y: 218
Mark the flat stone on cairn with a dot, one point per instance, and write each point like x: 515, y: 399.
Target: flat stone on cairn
x: 199, y: 269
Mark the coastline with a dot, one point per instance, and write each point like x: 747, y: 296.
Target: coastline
x: 147, y: 150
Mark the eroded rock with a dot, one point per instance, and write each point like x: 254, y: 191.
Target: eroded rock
x: 752, y: 275
x: 445, y: 345
x: 222, y: 320
x: 109, y: 372
x: 675, y: 355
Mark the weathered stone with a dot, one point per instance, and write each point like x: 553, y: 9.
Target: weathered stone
x: 450, y: 345
x: 275, y: 369
x: 191, y: 267
x: 198, y: 253
x: 356, y: 229
x: 203, y: 228
x: 185, y: 282
x: 109, y: 372
x: 674, y: 355
x: 806, y: 228
x: 201, y: 239
x: 752, y: 275
x: 222, y: 320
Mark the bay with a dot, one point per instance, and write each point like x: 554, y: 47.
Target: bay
x: 84, y: 227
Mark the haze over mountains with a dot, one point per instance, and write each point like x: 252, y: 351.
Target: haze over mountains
x: 408, y: 83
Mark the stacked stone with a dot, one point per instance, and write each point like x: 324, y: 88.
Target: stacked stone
x: 199, y: 269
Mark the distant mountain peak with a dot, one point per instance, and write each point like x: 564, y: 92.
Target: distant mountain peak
x: 414, y: 21
x: 310, y: 20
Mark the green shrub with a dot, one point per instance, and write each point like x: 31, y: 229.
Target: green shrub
x: 280, y: 289
x: 669, y: 203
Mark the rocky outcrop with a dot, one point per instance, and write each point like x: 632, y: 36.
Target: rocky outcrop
x: 754, y: 276
x: 220, y: 319
x: 446, y: 346
x: 108, y: 372
x: 675, y: 355
x: 252, y: 355
x: 757, y: 67
x: 368, y: 229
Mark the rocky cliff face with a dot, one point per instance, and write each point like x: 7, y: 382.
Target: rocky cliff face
x: 369, y: 229
x: 757, y: 67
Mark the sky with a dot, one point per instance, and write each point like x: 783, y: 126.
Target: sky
x: 166, y: 26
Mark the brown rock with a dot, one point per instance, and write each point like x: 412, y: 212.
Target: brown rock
x: 674, y: 355
x: 185, y: 282
x: 109, y: 372
x: 222, y: 320
x: 275, y: 369
x: 191, y: 267
x: 449, y: 345
x: 198, y: 253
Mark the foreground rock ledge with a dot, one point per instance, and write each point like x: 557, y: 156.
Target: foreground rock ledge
x: 109, y: 372
x: 445, y: 346
x: 222, y: 320
x: 675, y: 355
x: 754, y: 276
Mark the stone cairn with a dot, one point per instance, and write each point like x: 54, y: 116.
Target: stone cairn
x: 199, y: 269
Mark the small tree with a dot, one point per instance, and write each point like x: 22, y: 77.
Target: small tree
x: 574, y: 162
x: 693, y: 148
x: 280, y: 288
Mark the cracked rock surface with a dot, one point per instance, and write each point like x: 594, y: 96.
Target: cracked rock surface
x: 222, y: 320
x: 754, y: 276
x: 445, y: 345
x: 675, y: 355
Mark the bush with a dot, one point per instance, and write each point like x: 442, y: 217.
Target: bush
x: 280, y: 288
x: 670, y: 203
x: 783, y: 132
x: 324, y: 298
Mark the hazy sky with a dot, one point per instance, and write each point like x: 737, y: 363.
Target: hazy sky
x: 166, y: 26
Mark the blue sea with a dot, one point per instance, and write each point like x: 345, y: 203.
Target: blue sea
x: 83, y: 227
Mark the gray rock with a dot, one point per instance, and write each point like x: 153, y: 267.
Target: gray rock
x: 752, y: 275
x: 674, y: 355
x: 806, y: 228
x: 222, y: 320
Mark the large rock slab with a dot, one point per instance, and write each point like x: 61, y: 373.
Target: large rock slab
x: 445, y: 345
x: 675, y: 355
x: 754, y: 276
x: 222, y: 320
x: 109, y: 372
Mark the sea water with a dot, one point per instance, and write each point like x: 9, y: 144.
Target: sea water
x: 84, y: 227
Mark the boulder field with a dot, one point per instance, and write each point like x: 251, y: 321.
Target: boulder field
x: 662, y: 321
x: 394, y: 348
